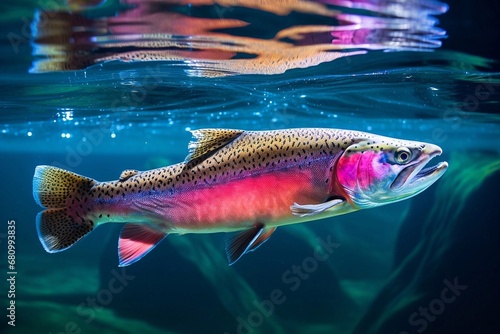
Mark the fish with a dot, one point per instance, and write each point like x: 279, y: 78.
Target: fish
x: 245, y: 182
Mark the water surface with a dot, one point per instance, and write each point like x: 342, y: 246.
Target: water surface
x: 99, y: 87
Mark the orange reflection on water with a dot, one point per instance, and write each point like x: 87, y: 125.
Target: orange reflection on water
x: 222, y: 37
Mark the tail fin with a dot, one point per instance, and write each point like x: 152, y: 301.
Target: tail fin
x: 64, y: 196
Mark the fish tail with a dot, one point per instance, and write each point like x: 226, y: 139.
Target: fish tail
x: 64, y: 196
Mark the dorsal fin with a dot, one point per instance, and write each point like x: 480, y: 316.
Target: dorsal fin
x: 208, y: 141
x: 127, y: 174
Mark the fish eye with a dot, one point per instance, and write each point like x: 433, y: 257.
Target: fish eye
x: 403, y: 155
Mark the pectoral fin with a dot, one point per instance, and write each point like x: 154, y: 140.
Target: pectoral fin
x: 247, y: 241
x: 313, y: 209
x: 136, y: 240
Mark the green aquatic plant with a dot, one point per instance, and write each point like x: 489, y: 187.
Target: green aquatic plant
x: 441, y: 234
x: 465, y: 175
x: 234, y: 292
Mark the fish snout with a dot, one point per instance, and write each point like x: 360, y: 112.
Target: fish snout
x: 432, y: 150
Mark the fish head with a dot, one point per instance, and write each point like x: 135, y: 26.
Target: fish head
x: 382, y: 170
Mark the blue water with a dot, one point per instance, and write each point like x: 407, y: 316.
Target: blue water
x: 102, y: 89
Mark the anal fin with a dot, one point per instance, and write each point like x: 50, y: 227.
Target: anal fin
x: 136, y: 240
x: 247, y: 241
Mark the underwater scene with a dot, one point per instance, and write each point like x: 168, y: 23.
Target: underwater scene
x: 363, y: 135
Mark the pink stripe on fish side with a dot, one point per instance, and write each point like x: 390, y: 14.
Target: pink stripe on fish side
x: 242, y: 202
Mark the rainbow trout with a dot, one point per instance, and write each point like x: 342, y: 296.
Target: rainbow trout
x: 249, y: 182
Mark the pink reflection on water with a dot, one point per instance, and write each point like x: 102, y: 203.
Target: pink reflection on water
x: 217, y: 38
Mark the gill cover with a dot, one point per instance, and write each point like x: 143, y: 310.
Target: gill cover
x: 383, y: 170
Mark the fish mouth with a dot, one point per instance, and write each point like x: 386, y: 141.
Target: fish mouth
x: 416, y: 176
